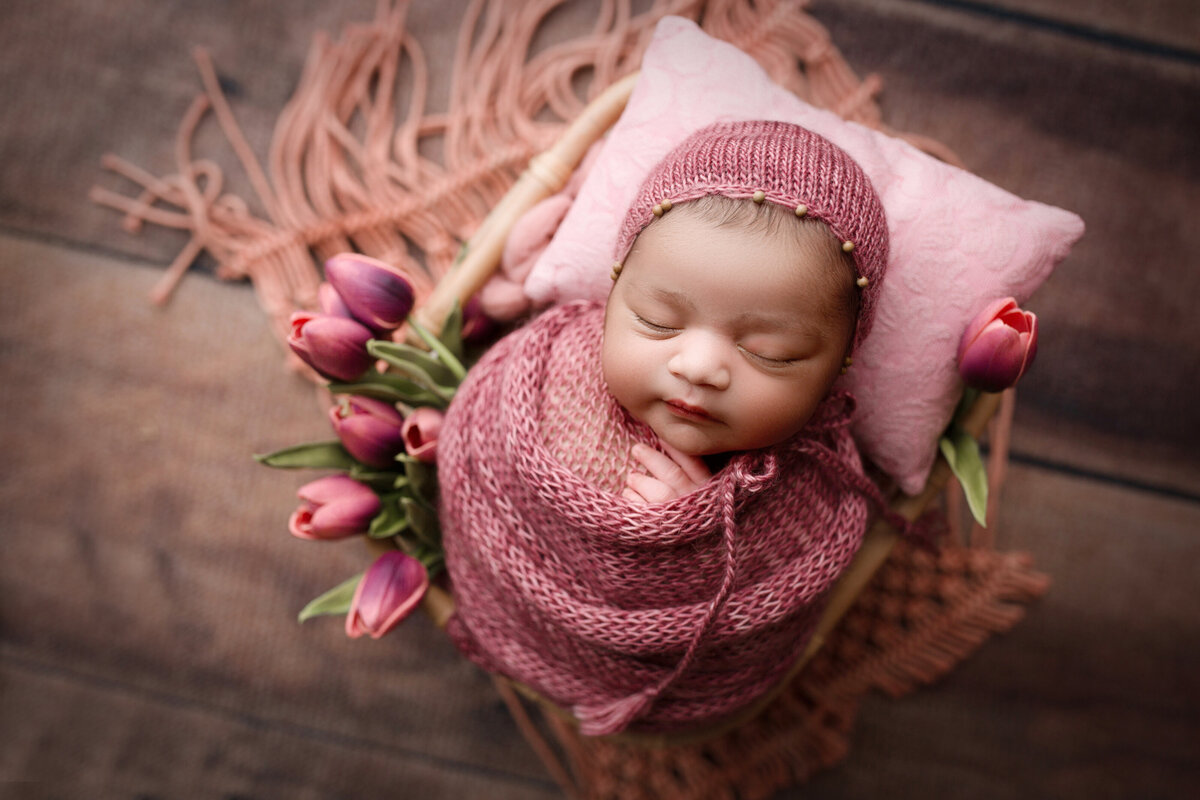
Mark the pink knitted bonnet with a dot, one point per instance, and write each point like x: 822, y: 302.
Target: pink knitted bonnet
x: 781, y: 163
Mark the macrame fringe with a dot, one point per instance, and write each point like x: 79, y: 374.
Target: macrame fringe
x: 347, y: 169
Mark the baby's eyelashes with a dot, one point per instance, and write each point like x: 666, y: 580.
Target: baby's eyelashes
x: 767, y: 360
x: 654, y: 326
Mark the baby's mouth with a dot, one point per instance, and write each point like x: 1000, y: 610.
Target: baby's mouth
x: 689, y: 412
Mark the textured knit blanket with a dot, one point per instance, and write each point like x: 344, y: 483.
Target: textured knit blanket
x: 650, y: 617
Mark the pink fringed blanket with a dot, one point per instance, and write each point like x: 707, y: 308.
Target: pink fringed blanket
x: 657, y: 617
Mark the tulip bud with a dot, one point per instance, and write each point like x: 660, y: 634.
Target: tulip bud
x: 333, y: 508
x: 377, y: 294
x: 388, y: 592
x: 333, y: 346
x: 369, y: 429
x: 420, y: 432
x: 998, y: 346
x: 477, y: 325
x: 330, y: 302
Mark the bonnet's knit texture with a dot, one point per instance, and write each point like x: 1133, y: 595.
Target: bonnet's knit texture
x: 648, y: 617
x: 792, y: 167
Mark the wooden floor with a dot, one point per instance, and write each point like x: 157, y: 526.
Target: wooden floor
x: 148, y: 585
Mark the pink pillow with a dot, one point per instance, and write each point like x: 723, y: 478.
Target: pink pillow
x: 957, y: 241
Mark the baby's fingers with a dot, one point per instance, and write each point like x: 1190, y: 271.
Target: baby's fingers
x: 692, y: 466
x: 677, y: 476
x: 641, y: 488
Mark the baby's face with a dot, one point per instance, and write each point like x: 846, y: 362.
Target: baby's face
x: 721, y: 339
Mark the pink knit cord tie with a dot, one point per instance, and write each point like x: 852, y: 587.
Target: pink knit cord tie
x: 645, y: 617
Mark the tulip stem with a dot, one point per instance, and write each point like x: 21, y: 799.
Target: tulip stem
x: 436, y: 345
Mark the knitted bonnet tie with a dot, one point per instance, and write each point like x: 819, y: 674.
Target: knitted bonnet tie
x: 780, y: 163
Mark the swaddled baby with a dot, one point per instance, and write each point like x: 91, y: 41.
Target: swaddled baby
x: 645, y: 504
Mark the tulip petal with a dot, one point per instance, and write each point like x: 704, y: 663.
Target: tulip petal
x: 330, y: 302
x: 421, y: 430
x: 333, y: 346
x: 371, y: 430
x: 376, y: 293
x: 993, y: 362
x: 981, y: 320
x: 390, y: 590
x: 333, y: 507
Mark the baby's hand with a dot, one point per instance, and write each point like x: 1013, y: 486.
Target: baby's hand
x: 671, y: 475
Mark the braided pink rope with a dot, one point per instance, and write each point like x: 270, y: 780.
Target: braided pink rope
x: 648, y: 617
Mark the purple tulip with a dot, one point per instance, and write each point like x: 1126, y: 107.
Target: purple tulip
x: 377, y: 294
x: 334, y: 346
x: 370, y: 429
x: 477, y: 325
x: 998, y: 346
x: 420, y: 432
x: 388, y: 592
x: 333, y: 508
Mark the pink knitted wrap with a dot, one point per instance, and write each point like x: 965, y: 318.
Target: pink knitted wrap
x: 648, y: 617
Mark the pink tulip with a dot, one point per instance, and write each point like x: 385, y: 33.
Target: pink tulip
x: 333, y: 508
x: 369, y: 429
x: 330, y: 302
x: 334, y: 346
x: 420, y: 432
x: 377, y: 294
x: 998, y: 346
x: 388, y: 592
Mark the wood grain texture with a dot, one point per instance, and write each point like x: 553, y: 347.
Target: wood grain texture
x: 148, y: 586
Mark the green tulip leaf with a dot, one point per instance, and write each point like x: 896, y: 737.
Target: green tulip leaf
x: 433, y: 560
x: 336, y: 601
x: 314, y: 455
x: 400, y: 355
x: 443, y: 352
x: 376, y: 479
x: 391, y: 388
x: 962, y: 454
x: 416, y: 370
x: 422, y: 477
x: 452, y: 332
x: 390, y: 521
x: 423, y: 521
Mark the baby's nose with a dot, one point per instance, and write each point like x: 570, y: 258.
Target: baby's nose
x: 700, y: 360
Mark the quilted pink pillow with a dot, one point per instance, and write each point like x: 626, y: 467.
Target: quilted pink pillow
x: 957, y: 241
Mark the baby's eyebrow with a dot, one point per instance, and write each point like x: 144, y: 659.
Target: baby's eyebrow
x: 672, y: 296
x: 792, y: 323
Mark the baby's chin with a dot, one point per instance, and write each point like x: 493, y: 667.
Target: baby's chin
x: 692, y: 441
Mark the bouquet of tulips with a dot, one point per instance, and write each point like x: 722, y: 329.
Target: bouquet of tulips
x: 389, y: 400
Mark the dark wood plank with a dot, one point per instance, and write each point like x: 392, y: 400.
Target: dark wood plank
x: 69, y: 734
x: 1161, y: 23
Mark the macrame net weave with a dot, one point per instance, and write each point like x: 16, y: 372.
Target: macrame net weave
x: 350, y: 168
